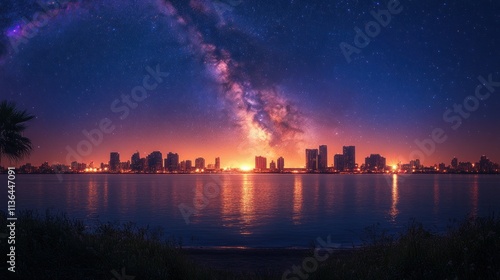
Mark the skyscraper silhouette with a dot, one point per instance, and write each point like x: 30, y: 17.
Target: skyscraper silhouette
x: 114, y: 162
x: 172, y: 162
x: 260, y: 163
x: 311, y: 160
x: 323, y: 158
x: 217, y: 163
x: 281, y: 164
x: 199, y: 163
x: 349, y: 158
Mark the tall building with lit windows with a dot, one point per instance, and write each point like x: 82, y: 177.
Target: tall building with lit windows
x: 311, y: 160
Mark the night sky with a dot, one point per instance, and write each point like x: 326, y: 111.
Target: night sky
x: 239, y: 78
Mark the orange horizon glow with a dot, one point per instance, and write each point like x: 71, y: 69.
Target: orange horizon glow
x: 246, y: 168
x: 235, y: 152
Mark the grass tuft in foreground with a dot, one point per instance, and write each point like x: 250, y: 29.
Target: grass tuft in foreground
x: 52, y: 246
x: 469, y: 251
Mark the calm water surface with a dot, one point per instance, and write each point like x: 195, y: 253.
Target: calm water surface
x: 261, y: 210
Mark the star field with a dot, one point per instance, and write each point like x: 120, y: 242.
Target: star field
x: 250, y: 78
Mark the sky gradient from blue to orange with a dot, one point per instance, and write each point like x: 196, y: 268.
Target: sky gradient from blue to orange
x: 250, y: 78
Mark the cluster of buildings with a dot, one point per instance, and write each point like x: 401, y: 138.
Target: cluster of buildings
x: 153, y: 163
x: 316, y: 161
x: 484, y: 165
x: 261, y: 165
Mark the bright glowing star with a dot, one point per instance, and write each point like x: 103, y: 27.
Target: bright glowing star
x: 394, y: 167
x: 245, y: 168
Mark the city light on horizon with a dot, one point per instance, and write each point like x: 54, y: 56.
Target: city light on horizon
x: 316, y: 161
x: 208, y: 97
x: 243, y: 158
x: 228, y: 139
x: 246, y: 168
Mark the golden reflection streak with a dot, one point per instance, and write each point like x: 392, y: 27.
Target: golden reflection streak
x: 395, y: 198
x: 298, y: 200
x: 247, y: 207
x: 92, y: 196
x: 228, y: 194
x: 475, y: 196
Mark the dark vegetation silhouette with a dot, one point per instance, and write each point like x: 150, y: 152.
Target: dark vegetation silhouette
x: 13, y: 144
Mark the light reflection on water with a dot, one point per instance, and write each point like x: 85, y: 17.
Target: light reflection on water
x: 264, y: 210
x: 395, y: 198
x: 298, y: 199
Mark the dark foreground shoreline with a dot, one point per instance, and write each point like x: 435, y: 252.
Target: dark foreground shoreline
x: 52, y: 246
x: 248, y: 260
